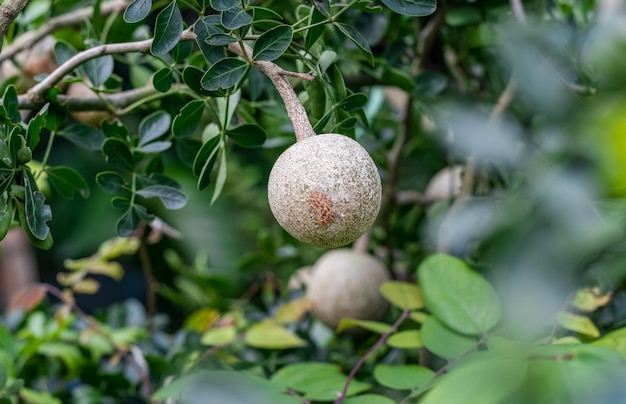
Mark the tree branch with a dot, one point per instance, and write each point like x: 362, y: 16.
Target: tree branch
x: 30, y: 38
x: 296, y: 112
x: 9, y: 10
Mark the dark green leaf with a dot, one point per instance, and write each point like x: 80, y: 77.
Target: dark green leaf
x: 336, y: 82
x: 235, y: 17
x: 6, y: 218
x: 356, y: 37
x: 192, y: 77
x: 416, y: 8
x: 37, y: 212
x: 247, y: 135
x: 118, y: 154
x: 353, y: 102
x: 222, y: 5
x: 182, y: 51
x: 273, y: 43
x: 36, y: 124
x: 9, y: 101
x: 127, y: 223
x: 459, y: 297
x: 155, y: 147
x: 114, y: 129
x: 110, y: 182
x: 99, y: 70
x: 120, y: 202
x: 167, y: 30
x: 85, y: 136
x: 3, y: 377
x: 323, y: 6
x: 172, y: 198
x: 188, y: 119
x: 314, y: 33
x: 63, y: 52
x: 224, y: 74
x: 163, y: 79
x: 137, y: 11
x: 67, y: 181
x: 204, y: 28
x: 205, y: 160
x: 45, y: 244
x: 153, y: 126
x: 317, y: 99
x: 220, y: 39
x: 222, y: 173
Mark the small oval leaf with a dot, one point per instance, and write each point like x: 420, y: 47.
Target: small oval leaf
x: 224, y: 74
x: 137, y: 11
x: 403, y: 294
x: 402, y: 377
x: 247, y: 135
x: 273, y: 43
x: 270, y: 335
x: 167, y: 30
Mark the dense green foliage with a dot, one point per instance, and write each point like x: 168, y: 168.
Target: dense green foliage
x: 508, y: 286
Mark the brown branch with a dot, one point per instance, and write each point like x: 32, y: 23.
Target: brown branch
x: 39, y: 92
x: 9, y: 10
x: 296, y: 112
x: 73, y: 18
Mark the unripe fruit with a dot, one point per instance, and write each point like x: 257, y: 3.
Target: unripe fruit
x: 24, y: 155
x: 325, y: 190
x: 94, y: 118
x: 345, y: 284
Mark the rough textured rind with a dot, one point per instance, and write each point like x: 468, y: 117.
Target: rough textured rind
x: 325, y: 190
x: 345, y: 284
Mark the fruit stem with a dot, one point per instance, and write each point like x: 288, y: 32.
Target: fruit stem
x: 296, y: 112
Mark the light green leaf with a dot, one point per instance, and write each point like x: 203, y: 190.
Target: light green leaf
x: 219, y: 336
x: 167, y: 30
x: 461, y: 298
x: 403, y: 294
x: 368, y: 399
x: 406, y: 339
x: 271, y: 335
x: 577, y: 323
x: 70, y: 355
x: 402, y: 377
x: 374, y: 326
x: 615, y: 340
x: 442, y: 341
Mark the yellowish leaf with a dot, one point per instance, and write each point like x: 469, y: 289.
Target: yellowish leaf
x: 405, y: 339
x: 271, y: 335
x: 576, y: 323
x: 86, y: 286
x: 374, y: 326
x: 590, y: 299
x: 219, y: 336
x: 419, y: 316
x: 292, y: 311
x: 403, y: 294
x: 202, y: 319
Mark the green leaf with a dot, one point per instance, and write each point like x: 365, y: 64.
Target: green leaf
x: 188, y: 119
x: 127, y: 223
x: 458, y: 296
x: 70, y: 355
x: 35, y: 397
x: 153, y: 126
x: 219, y: 336
x: 223, y: 5
x: 416, y: 8
x: 6, y: 219
x: 163, y: 79
x: 235, y: 17
x: 99, y: 70
x: 353, y: 102
x: 577, y: 323
x: 403, y: 294
x: 402, y: 377
x: 137, y: 11
x: 247, y: 135
x: 37, y: 212
x: 11, y: 105
x: 3, y: 377
x: 368, y: 399
x: 442, y: 341
x: 45, y: 244
x: 86, y: 136
x: 63, y: 52
x: 155, y: 147
x: 271, y: 335
x: 356, y: 37
x: 192, y: 77
x: 172, y: 198
x: 220, y: 39
x: 67, y: 181
x: 118, y: 154
x: 407, y: 339
x: 615, y: 340
x: 314, y: 33
x: 167, y: 30
x: 224, y: 74
x: 317, y: 381
x: 205, y: 160
x: 110, y: 182
x: 222, y: 172
x: 374, y: 326
x: 273, y: 43
x: 204, y: 28
x: 35, y: 126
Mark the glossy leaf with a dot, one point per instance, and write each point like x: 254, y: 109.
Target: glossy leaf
x: 416, y: 8
x: 224, y: 74
x: 37, y: 212
x: 163, y: 79
x: 137, y: 11
x: 442, y: 341
x: 153, y: 126
x: 403, y: 294
x: 374, y: 326
x: 67, y: 182
x: 118, y: 154
x: 407, y: 339
x: 172, y: 198
x: 356, y: 37
x: 44, y: 244
x: 155, y: 147
x: 86, y: 136
x: 10, y: 103
x: 247, y: 135
x: 316, y: 381
x: 273, y: 43
x: 458, y: 296
x: 99, y: 70
x: 220, y: 39
x: 402, y: 377
x: 204, y: 28
x: 222, y: 5
x: 353, y: 102
x: 192, y: 77
x: 314, y: 33
x: 35, y: 126
x: 235, y: 17
x: 188, y: 119
x: 167, y: 30
x: 110, y: 182
x: 270, y: 335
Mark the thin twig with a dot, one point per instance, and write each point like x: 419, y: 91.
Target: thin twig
x: 28, y: 39
x: 381, y: 341
x: 146, y: 267
x: 9, y: 10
